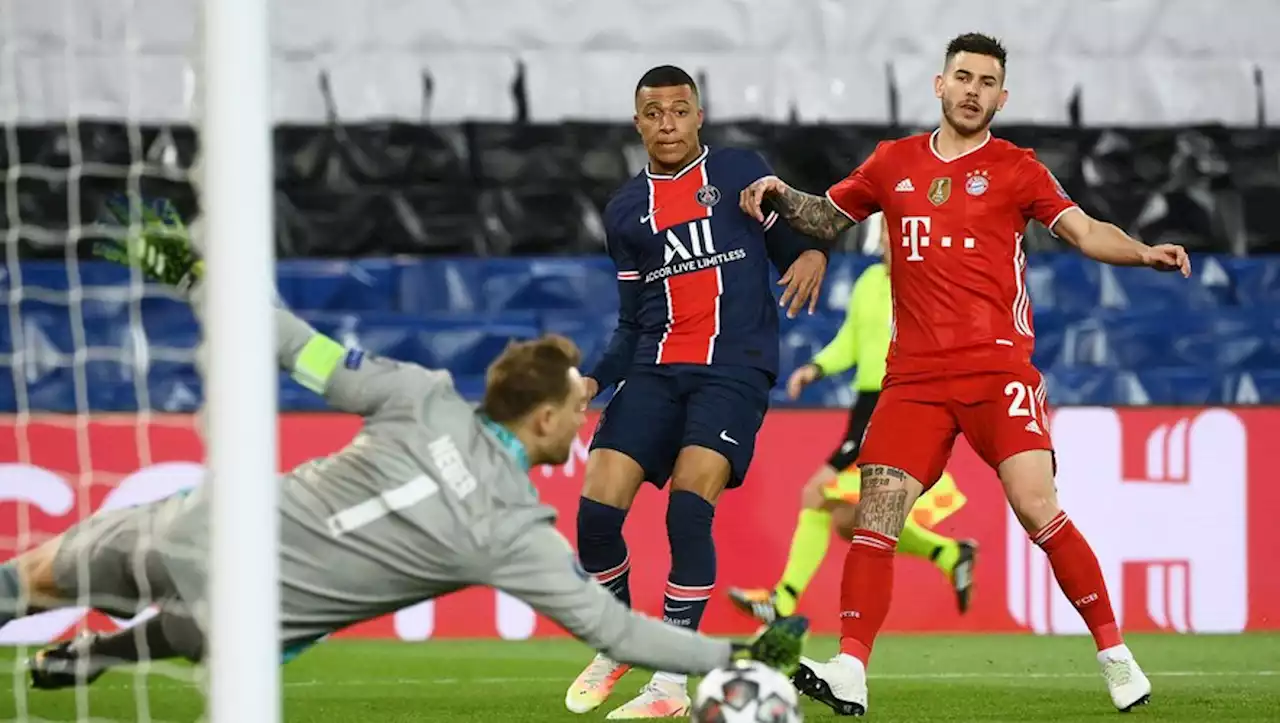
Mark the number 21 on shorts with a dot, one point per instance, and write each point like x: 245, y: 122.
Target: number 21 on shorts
x: 1025, y: 401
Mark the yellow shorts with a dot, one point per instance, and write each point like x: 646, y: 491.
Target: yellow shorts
x: 940, y: 502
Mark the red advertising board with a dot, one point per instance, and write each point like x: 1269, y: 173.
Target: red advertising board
x: 1179, y: 504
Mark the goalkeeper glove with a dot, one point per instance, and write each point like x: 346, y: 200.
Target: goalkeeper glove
x: 160, y: 247
x: 777, y: 645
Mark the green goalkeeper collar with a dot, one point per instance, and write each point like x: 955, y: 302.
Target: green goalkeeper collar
x: 508, y: 440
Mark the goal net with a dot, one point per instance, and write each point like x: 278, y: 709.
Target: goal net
x: 98, y: 389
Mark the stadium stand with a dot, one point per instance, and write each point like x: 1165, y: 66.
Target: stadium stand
x: 438, y: 244
x: 432, y: 204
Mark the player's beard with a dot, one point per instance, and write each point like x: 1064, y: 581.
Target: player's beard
x: 962, y: 126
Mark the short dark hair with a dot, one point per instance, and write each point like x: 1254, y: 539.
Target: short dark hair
x: 666, y: 76
x: 527, y: 374
x: 978, y: 44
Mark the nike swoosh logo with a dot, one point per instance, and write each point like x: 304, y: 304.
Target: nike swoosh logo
x: 647, y: 219
x: 724, y: 434
x: 676, y: 610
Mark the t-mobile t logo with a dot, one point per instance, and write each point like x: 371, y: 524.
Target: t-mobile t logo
x: 915, y: 236
x: 1185, y: 521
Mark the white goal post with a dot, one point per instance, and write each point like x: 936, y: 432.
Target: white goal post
x: 235, y: 181
x: 99, y: 98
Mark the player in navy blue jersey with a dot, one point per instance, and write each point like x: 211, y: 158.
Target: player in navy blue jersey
x: 694, y: 357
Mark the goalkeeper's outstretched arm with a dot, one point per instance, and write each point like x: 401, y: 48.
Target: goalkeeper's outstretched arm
x: 539, y: 568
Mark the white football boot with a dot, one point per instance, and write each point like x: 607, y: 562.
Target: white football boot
x: 1128, y: 685
x: 594, y: 684
x: 839, y: 683
x: 659, y: 698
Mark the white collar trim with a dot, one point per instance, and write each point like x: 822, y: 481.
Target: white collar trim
x: 692, y: 164
x: 933, y: 148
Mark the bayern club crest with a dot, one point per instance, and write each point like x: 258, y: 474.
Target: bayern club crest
x: 976, y: 183
x: 708, y: 195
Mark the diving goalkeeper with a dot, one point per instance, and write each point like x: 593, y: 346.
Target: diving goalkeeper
x: 830, y: 497
x: 432, y: 496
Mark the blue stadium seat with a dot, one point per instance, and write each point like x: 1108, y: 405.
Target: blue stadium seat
x: 461, y: 343
x: 804, y: 336
x: 1239, y: 338
x: 1140, y: 288
x: 59, y: 328
x: 169, y: 322
x: 440, y: 285
x: 1081, y: 386
x: 1182, y: 385
x: 843, y: 271
x: 293, y: 396
x: 95, y: 385
x: 173, y: 387
x: 8, y: 392
x: 341, y: 286
x: 1104, y: 336
x: 1071, y: 288
x: 591, y: 332
x: 57, y: 275
x: 470, y: 386
x: 550, y: 284
x: 1050, y: 328
x: 1252, y: 387
x: 1255, y: 280
x: 1142, y: 339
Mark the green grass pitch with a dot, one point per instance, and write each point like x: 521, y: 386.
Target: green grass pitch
x: 914, y: 678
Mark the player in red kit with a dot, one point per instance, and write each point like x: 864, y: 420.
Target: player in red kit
x: 957, y: 202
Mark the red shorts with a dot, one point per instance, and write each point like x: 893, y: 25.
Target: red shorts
x: 915, y: 423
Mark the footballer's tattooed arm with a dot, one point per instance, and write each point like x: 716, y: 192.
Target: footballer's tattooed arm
x: 811, y: 215
x: 884, y: 504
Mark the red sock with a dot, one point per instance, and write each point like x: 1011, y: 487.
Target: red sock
x: 865, y: 591
x: 1080, y: 577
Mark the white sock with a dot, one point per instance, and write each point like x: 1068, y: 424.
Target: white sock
x: 1116, y: 652
x: 679, y: 679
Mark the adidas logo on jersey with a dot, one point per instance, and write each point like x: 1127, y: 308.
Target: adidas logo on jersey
x: 904, y: 186
x: 1034, y: 427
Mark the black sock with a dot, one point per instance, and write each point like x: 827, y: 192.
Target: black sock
x: 166, y: 635
x: 601, y: 549
x: 693, y: 559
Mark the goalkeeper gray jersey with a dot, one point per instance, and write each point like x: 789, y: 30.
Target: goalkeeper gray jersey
x: 429, y: 498
x: 426, y: 490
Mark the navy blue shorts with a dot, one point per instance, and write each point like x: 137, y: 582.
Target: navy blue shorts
x: 659, y: 410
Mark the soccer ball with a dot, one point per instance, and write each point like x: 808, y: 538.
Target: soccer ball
x: 746, y: 692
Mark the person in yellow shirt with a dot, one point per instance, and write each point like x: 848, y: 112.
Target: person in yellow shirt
x: 830, y: 497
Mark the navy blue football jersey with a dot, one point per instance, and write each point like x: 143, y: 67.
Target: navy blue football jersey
x: 693, y: 269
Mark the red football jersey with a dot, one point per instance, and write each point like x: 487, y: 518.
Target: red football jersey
x: 960, y: 302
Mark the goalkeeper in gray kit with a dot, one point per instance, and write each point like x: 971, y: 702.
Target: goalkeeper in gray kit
x: 431, y: 496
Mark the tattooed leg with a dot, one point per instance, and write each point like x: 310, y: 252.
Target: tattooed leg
x: 885, y: 500
x: 867, y: 587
